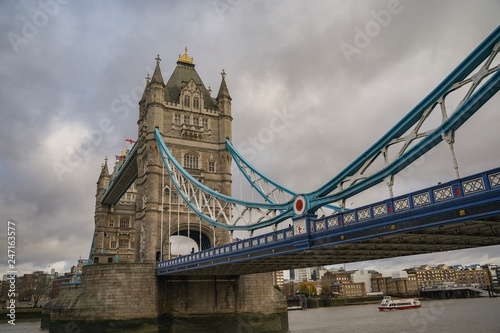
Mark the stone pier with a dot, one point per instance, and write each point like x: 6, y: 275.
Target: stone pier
x: 129, y: 297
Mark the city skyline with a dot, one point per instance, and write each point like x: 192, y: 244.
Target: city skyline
x: 313, y: 85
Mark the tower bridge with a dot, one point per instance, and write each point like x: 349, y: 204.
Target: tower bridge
x: 462, y: 213
x: 176, y: 180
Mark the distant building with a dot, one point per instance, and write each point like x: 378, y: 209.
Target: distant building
x: 300, y: 274
x: 493, y: 275
x: 341, y: 283
x: 364, y: 277
x: 278, y: 278
x: 473, y: 275
x: 349, y: 289
x: 57, y: 284
x: 428, y: 275
x: 34, y: 288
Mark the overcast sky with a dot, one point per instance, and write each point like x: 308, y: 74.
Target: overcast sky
x: 314, y: 84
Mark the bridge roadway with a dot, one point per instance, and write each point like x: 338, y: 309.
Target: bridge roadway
x: 124, y: 177
x: 459, y: 214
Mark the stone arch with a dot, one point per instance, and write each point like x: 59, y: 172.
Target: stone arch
x: 206, y: 240
x: 207, y: 234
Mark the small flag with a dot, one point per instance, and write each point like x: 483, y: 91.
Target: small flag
x: 130, y: 141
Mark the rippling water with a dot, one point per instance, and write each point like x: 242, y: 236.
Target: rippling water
x: 457, y: 315
x: 478, y: 315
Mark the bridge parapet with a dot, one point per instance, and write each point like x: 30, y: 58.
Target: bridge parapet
x: 443, y: 192
x: 384, y: 214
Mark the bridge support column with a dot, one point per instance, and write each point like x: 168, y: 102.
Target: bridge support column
x: 131, y: 296
x: 246, y: 303
x: 110, y: 295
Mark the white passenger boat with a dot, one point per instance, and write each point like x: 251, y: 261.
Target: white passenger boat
x: 398, y: 304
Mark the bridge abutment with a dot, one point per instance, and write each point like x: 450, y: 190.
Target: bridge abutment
x: 224, y: 303
x: 125, y: 295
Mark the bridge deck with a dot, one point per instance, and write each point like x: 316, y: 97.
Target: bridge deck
x: 124, y: 177
x: 459, y: 214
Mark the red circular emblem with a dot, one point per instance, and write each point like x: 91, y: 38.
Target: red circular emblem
x: 299, y: 205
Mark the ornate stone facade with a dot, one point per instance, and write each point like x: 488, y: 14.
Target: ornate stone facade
x: 127, y: 292
x: 194, y: 126
x: 114, y: 232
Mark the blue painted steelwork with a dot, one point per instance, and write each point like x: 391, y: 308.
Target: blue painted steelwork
x: 241, y: 162
x: 175, y: 170
x: 111, y: 198
x: 243, y: 165
x: 308, y: 231
x: 272, y: 213
x: 488, y: 47
x: 312, y: 201
x: 460, y: 116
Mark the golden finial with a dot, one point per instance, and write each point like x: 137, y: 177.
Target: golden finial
x: 185, y: 57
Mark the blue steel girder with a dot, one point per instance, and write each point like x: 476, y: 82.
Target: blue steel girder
x: 268, y: 189
x: 462, y: 213
x: 355, y: 179
x: 216, y: 208
x: 460, y: 116
x: 124, y: 176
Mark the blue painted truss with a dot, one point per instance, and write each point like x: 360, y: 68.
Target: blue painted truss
x: 476, y: 71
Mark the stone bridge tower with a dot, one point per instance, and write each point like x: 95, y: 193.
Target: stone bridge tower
x: 120, y: 289
x: 194, y: 126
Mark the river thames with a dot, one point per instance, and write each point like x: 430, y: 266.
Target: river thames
x: 478, y: 315
x: 443, y: 316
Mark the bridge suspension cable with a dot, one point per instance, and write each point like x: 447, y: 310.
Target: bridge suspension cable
x: 216, y: 208
x: 268, y: 189
x: 408, y: 135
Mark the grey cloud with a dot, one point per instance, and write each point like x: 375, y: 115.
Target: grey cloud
x: 278, y: 56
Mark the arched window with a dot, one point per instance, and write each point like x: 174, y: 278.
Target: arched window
x: 191, y: 161
x: 211, y: 166
x: 196, y: 103
x: 177, y: 119
x: 187, y: 119
x: 187, y: 100
x: 124, y: 222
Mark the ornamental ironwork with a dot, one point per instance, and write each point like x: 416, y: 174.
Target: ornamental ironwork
x: 443, y: 193
x: 421, y: 199
x: 473, y: 185
x: 402, y: 204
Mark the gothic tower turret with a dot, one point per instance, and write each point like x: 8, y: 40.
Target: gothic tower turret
x: 148, y: 199
x: 103, y: 180
x: 225, y: 124
x: 224, y: 106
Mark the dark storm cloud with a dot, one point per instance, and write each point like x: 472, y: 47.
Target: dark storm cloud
x: 80, y: 71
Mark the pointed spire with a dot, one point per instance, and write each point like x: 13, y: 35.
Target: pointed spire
x: 104, y: 169
x: 144, y: 94
x: 105, y: 166
x: 223, y: 91
x: 157, y: 77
